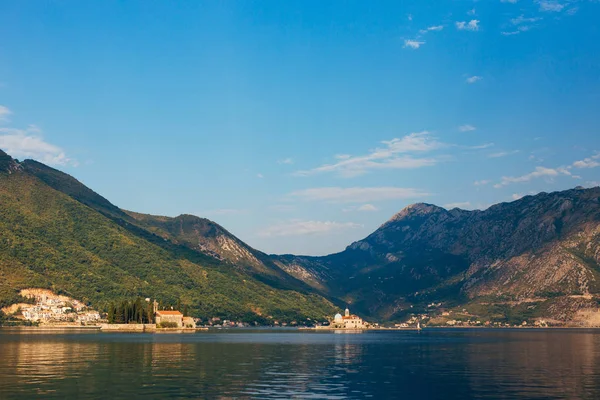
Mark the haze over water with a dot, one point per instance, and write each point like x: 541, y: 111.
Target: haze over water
x: 433, y: 364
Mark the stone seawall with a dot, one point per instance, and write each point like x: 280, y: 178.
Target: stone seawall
x: 128, y: 327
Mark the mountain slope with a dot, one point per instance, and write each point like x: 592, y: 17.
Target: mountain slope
x: 185, y: 232
x: 544, y: 247
x: 49, y: 239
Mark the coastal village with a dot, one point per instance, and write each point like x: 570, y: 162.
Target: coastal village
x: 49, y: 307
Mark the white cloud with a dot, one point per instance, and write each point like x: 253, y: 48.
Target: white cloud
x: 481, y: 182
x: 413, y: 44
x: 502, y: 154
x: 521, y: 19
x: 363, y: 208
x: 508, y: 1
x: 435, y: 28
x: 516, y: 196
x: 260, y: 176
x: 572, y: 10
x: 463, y: 204
x: 4, y: 113
x: 367, y: 207
x: 286, y: 161
x: 472, y: 25
x: 550, y: 6
x: 392, y: 156
x: 471, y: 12
x: 539, y: 172
x: 466, y: 128
x: 409, y: 17
x: 342, y: 156
x: 481, y: 146
x: 473, y: 79
x: 590, y: 162
x: 28, y: 143
x: 297, y: 227
x: 357, y: 194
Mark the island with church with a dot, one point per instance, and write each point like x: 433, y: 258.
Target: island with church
x: 347, y: 321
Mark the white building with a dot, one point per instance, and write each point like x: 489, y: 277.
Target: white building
x: 348, y: 321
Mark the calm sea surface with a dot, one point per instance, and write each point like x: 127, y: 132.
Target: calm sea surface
x: 433, y: 364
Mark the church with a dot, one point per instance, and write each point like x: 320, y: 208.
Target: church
x: 348, y: 321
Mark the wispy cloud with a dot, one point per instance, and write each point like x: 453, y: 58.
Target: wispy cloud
x: 508, y: 1
x: 367, y: 207
x: 260, y: 176
x: 286, y: 161
x: 435, y: 28
x: 521, y: 24
x: 550, y: 6
x: 481, y: 146
x: 394, y: 155
x: 357, y: 194
x: 4, y: 113
x: 481, y: 182
x: 471, y: 12
x: 472, y: 25
x: 413, y: 44
x: 503, y: 154
x: 466, y: 128
x: 28, y: 143
x: 516, y: 196
x: 473, y: 79
x: 521, y: 19
x: 363, y: 208
x: 590, y: 162
x: 463, y: 204
x: 298, y: 227
x: 539, y: 172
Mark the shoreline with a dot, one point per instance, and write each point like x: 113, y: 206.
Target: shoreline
x: 126, y: 329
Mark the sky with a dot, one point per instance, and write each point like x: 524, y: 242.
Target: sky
x: 302, y: 126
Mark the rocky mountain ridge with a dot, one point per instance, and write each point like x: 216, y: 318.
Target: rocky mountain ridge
x: 545, y: 246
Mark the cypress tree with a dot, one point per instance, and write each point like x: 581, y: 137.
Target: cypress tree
x: 150, y: 313
x: 119, y: 317
x: 111, y: 313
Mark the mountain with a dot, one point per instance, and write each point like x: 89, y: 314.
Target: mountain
x: 56, y: 233
x: 535, y: 257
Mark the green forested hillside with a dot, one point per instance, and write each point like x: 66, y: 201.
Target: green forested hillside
x: 49, y: 239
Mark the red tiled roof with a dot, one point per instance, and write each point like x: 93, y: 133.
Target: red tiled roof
x: 351, y: 317
x: 165, y: 312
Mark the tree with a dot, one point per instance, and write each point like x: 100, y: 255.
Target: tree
x: 150, y: 313
x: 120, y: 314
x: 185, y: 310
x: 111, y: 313
x: 138, y: 310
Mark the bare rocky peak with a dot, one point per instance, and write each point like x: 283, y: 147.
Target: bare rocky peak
x: 417, y: 209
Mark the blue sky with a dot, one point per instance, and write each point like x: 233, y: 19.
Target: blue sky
x: 301, y: 126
